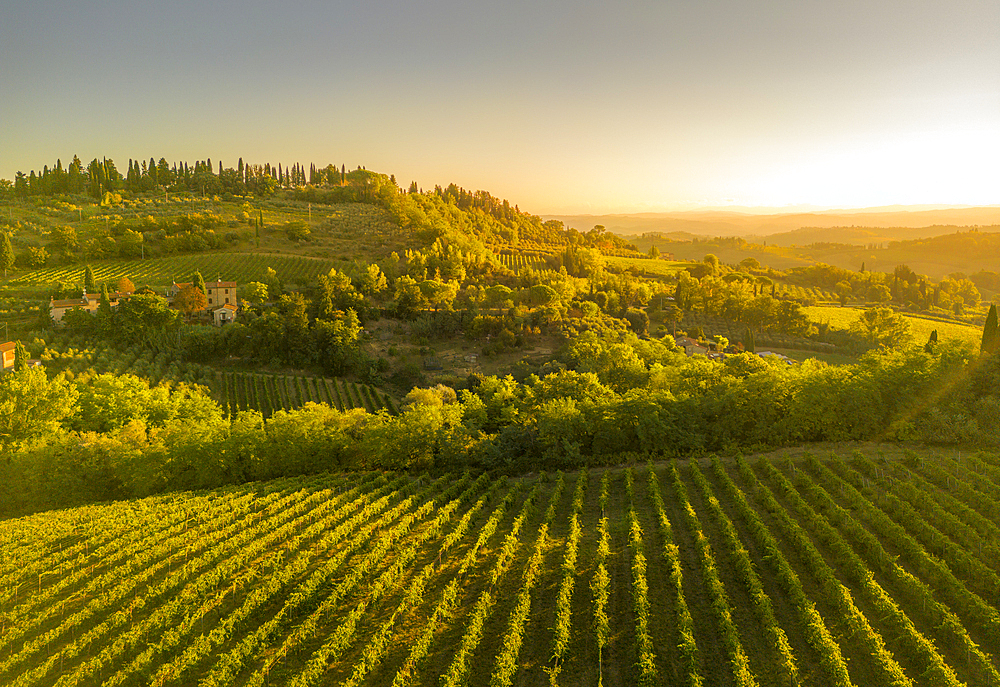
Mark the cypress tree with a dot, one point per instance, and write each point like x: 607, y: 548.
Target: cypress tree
x: 6, y: 254
x: 104, y: 307
x: 199, y: 282
x: 20, y: 357
x: 991, y: 334
x: 750, y: 345
x: 88, y: 280
x: 931, y: 344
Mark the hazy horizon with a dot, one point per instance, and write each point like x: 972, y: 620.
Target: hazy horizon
x: 562, y: 108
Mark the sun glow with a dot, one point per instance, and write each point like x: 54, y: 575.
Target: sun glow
x: 951, y: 167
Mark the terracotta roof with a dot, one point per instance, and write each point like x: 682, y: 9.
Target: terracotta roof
x: 9, y: 346
x: 209, y: 284
x: 227, y: 306
x: 68, y: 303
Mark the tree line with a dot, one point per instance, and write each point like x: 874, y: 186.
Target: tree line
x: 102, y: 176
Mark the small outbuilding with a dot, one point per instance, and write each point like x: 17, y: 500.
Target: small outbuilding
x: 224, y: 314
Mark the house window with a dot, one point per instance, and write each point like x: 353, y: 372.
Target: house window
x: 209, y: 301
x: 227, y: 291
x: 227, y: 300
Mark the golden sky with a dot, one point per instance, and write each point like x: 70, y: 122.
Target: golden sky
x: 558, y: 106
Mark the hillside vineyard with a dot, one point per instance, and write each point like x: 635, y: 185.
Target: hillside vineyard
x: 840, y: 570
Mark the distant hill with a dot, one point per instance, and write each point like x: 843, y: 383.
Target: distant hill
x: 966, y: 250
x: 895, y: 223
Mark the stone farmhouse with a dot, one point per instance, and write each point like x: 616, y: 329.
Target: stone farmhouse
x: 221, y: 296
x: 218, y: 292
x: 87, y: 301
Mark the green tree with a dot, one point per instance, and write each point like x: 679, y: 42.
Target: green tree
x: 274, y: 286
x: 844, y: 291
x: 991, y: 333
x: 372, y: 282
x: 638, y: 320
x: 44, y: 316
x: 542, y: 294
x: 142, y: 318
x: 255, y: 293
x: 6, y: 254
x: 713, y: 263
x: 297, y: 230
x: 336, y: 342
x: 437, y: 293
x: 130, y: 244
x: 31, y: 405
x: 672, y: 315
x: 88, y: 280
x: 198, y: 282
x: 64, y: 238
x: 37, y: 256
x: 78, y: 321
x: 882, y: 327
x: 497, y: 295
x: 878, y: 293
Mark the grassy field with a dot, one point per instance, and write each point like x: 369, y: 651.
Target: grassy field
x: 864, y: 568
x: 652, y: 268
x: 841, y: 318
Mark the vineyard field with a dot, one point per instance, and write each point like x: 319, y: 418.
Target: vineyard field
x: 238, y: 267
x: 796, y: 292
x: 270, y: 393
x: 862, y: 568
x: 234, y: 391
x: 520, y: 261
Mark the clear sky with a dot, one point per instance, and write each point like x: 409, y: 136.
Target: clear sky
x: 558, y: 105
